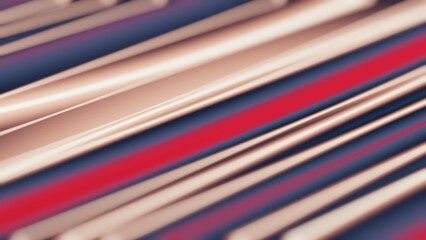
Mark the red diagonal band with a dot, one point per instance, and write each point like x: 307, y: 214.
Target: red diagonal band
x: 72, y: 190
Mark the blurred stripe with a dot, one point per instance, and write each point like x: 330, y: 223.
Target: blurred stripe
x: 9, y: 3
x: 71, y: 12
x: 27, y: 9
x: 219, y: 219
x: 228, y: 17
x: 127, y: 74
x: 116, y: 36
x: 42, y: 96
x: 120, y: 12
x: 293, y: 213
x: 350, y: 214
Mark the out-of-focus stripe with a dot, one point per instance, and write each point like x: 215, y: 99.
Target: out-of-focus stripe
x: 29, y: 8
x: 120, y: 12
x: 37, y: 60
x: 71, y: 12
x: 10, y: 3
x: 97, y: 84
x: 231, y: 16
x: 214, y: 220
x: 352, y: 213
x: 301, y: 209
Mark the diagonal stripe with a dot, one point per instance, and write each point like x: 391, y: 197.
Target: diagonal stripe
x: 62, y: 194
x: 204, y: 225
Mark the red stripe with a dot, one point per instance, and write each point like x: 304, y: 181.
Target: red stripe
x: 197, y: 227
x: 64, y: 193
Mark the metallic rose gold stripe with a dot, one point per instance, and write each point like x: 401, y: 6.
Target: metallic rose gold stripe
x: 59, y: 223
x: 360, y: 209
x: 120, y: 12
x: 228, y: 17
x: 101, y: 82
x: 28, y: 9
x: 240, y: 163
x: 151, y: 222
x: 81, y: 141
x: 297, y: 211
x: 74, y: 10
x: 143, y: 98
x: 252, y: 78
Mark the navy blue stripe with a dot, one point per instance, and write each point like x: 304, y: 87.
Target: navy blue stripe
x: 38, y: 62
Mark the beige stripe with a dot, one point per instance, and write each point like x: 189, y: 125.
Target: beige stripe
x: 360, y: 209
x: 74, y: 10
x: 52, y: 226
x: 21, y: 165
x: 131, y: 72
x: 295, y: 212
x: 176, y: 211
x: 28, y: 9
x: 222, y: 171
x: 228, y: 17
x: 18, y: 166
x: 147, y: 96
x: 120, y: 12
x: 80, y: 141
x: 41, y: 89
